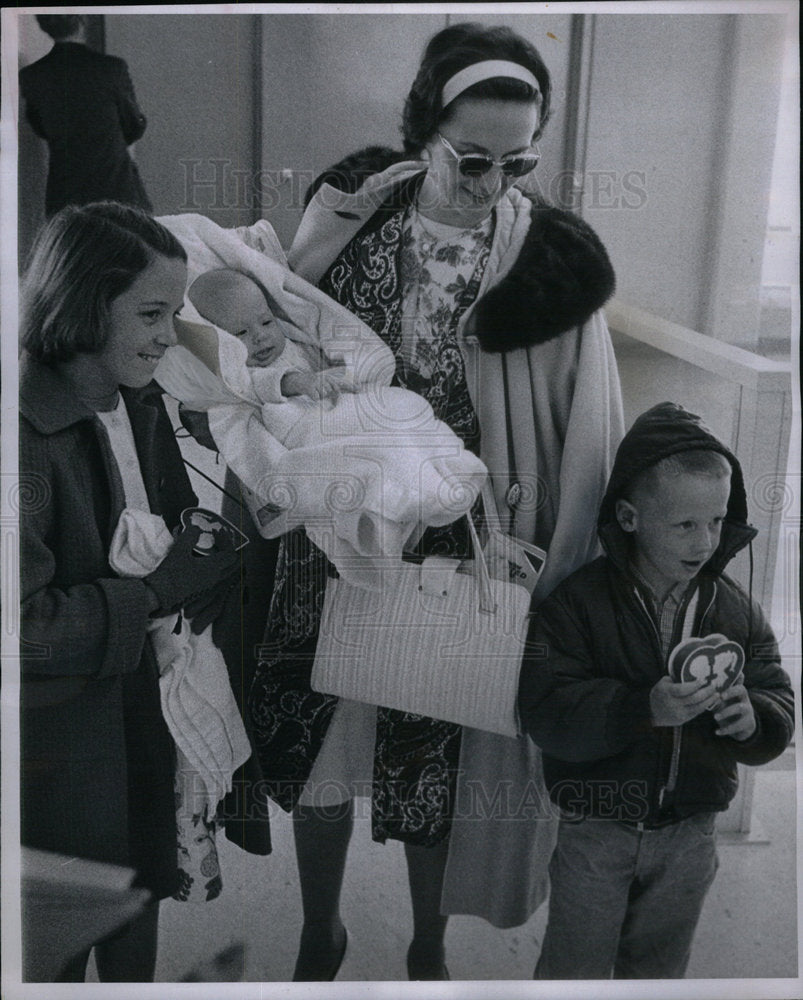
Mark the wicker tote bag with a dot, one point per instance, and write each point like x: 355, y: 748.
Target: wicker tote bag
x: 440, y: 639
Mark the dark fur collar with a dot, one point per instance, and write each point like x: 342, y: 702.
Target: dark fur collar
x: 560, y: 278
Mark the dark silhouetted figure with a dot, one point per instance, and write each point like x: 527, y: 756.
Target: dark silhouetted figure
x: 83, y: 104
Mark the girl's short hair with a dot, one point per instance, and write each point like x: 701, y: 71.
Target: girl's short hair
x: 452, y: 50
x: 83, y: 259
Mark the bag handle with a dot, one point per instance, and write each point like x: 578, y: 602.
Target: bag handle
x: 489, y: 504
x: 487, y: 603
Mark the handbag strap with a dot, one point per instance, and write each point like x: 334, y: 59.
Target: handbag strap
x: 489, y: 504
x: 487, y: 603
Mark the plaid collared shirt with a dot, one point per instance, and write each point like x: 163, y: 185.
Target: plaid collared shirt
x: 665, y: 613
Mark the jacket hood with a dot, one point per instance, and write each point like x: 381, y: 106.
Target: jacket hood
x: 667, y: 429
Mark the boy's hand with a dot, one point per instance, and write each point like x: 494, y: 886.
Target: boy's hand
x: 735, y: 716
x: 673, y: 704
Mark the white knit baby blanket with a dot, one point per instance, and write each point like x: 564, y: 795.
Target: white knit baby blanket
x: 364, y: 474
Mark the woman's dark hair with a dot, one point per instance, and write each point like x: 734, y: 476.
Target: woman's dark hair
x: 59, y: 26
x: 455, y: 48
x: 83, y: 259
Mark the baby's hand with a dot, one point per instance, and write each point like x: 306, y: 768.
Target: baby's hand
x: 337, y: 380
x: 299, y: 384
x: 735, y: 716
x: 318, y: 385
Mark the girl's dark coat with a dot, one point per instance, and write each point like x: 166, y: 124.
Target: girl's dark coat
x: 97, y: 759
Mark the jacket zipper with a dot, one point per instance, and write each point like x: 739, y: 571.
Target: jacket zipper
x: 677, y: 731
x: 672, y: 777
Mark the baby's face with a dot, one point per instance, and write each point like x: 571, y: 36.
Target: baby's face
x: 245, y: 314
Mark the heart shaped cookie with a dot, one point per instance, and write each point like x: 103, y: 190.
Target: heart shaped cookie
x: 713, y: 658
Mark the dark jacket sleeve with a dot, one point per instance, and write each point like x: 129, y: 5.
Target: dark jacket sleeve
x: 569, y: 711
x: 34, y: 120
x: 770, y: 692
x: 31, y: 111
x: 132, y: 121
x: 94, y: 628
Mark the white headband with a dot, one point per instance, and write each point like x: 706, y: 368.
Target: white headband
x: 485, y: 70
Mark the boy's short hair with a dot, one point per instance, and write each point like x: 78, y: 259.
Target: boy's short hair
x: 696, y: 462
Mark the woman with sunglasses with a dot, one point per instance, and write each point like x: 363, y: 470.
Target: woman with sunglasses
x: 490, y: 303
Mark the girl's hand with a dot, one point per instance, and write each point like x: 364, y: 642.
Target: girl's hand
x: 182, y: 576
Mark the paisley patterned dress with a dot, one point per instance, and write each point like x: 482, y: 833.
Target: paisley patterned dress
x: 410, y: 280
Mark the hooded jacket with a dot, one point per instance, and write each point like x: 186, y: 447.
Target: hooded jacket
x: 594, y: 655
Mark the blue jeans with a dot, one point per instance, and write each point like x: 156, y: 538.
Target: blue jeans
x: 625, y: 902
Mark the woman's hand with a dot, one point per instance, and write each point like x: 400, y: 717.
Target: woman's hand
x: 373, y: 191
x: 182, y: 576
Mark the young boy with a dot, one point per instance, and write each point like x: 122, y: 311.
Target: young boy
x: 640, y: 746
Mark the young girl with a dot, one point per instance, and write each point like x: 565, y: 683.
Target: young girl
x: 98, y: 763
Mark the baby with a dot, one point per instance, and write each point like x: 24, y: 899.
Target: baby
x: 237, y: 304
x: 362, y: 465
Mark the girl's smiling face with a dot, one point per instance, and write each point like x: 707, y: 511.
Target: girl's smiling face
x: 141, y: 325
x: 476, y: 125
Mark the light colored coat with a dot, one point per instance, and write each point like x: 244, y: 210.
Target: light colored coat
x: 551, y: 420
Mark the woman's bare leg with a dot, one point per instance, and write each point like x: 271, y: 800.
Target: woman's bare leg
x: 425, y: 869
x: 322, y: 839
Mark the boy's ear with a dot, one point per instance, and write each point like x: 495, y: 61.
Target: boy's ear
x: 626, y: 515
